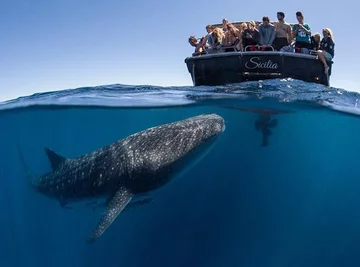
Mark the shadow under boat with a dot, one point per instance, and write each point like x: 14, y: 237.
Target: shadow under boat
x: 264, y: 123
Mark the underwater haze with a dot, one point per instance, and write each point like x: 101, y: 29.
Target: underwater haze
x: 280, y: 187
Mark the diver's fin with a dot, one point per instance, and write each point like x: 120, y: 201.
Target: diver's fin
x: 117, y: 203
x: 54, y: 158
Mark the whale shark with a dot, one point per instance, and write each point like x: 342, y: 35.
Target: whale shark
x: 130, y: 167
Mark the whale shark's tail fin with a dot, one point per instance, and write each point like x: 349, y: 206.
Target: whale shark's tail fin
x: 31, y: 177
x: 115, y: 206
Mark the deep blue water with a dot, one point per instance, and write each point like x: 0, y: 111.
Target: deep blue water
x: 294, y: 202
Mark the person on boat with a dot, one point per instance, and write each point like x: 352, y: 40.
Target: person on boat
x: 315, y: 42
x: 210, y: 40
x: 250, y: 36
x: 219, y: 39
x: 267, y: 33
x: 326, y: 51
x: 302, y: 34
x: 232, y: 38
x: 283, y: 34
x: 199, y: 46
x: 225, y: 23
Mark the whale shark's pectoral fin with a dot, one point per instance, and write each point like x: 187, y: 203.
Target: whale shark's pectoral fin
x: 54, y: 158
x: 116, y: 204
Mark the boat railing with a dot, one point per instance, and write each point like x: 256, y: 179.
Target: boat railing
x: 257, y: 47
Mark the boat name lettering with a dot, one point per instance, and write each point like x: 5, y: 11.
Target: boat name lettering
x: 255, y: 63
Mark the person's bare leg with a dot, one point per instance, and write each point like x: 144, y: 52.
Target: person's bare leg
x: 321, y: 56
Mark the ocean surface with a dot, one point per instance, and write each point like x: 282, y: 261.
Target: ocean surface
x: 280, y: 187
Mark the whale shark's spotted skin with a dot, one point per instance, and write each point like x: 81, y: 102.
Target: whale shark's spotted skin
x: 132, y: 166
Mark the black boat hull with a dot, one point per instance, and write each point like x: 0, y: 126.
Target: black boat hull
x: 237, y: 67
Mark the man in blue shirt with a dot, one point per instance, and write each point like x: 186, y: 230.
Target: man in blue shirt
x: 267, y: 33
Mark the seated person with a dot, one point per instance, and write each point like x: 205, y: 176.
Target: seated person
x: 301, y: 33
x: 250, y: 36
x: 267, y: 34
x: 315, y: 42
x: 199, y: 46
x: 326, y: 51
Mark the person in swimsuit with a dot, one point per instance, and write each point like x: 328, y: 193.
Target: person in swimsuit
x: 199, y: 46
x: 283, y: 35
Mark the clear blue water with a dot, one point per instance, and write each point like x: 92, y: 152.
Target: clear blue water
x: 294, y: 202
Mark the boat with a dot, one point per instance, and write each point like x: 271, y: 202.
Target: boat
x: 223, y: 68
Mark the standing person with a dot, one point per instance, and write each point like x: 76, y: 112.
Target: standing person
x: 209, y: 37
x: 225, y: 22
x: 301, y: 33
x: 267, y: 33
x: 283, y: 35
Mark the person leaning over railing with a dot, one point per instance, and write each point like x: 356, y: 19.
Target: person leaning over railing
x: 327, y: 48
x: 267, y: 34
x: 219, y: 39
x: 232, y: 39
x: 199, y: 46
x: 250, y: 36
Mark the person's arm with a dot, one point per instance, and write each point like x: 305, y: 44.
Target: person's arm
x: 306, y: 29
x: 295, y: 30
x: 289, y: 34
x: 272, y: 37
x: 261, y: 41
x: 256, y: 36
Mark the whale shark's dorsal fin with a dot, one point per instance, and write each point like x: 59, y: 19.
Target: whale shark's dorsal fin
x: 116, y: 204
x: 54, y: 158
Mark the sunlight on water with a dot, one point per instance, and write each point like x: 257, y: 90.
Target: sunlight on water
x: 284, y: 90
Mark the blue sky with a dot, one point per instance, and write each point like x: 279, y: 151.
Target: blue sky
x: 54, y: 45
